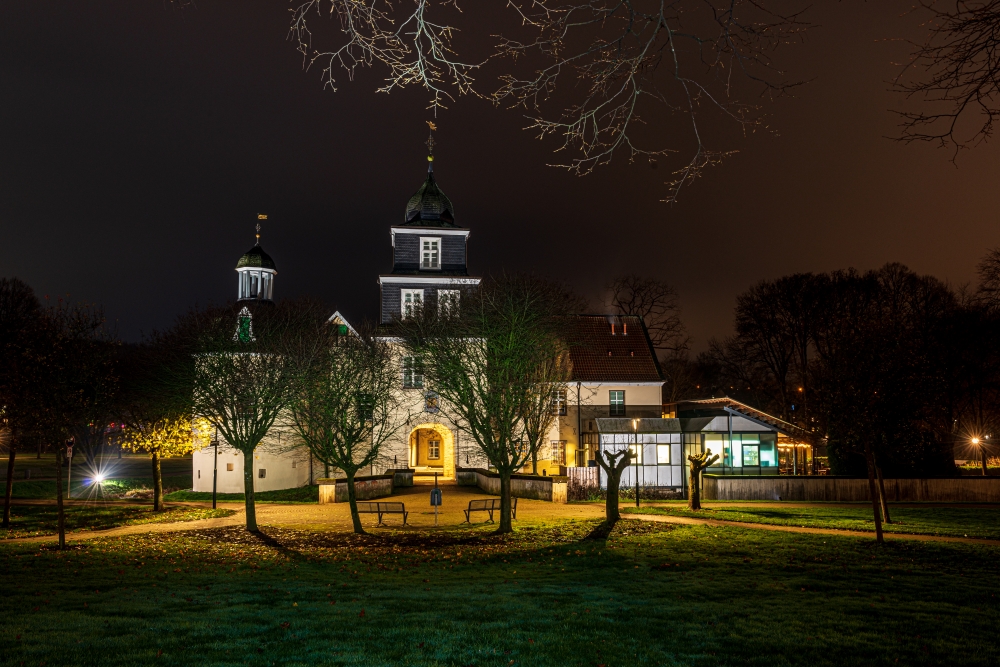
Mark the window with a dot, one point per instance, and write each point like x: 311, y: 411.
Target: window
x: 751, y: 455
x: 411, y: 300
x: 413, y: 373
x: 636, y: 450
x: 430, y: 253
x: 448, y: 300
x: 559, y: 402
x: 293, y: 464
x: 199, y: 474
x: 558, y: 456
x: 663, y: 455
x: 262, y: 473
x: 616, y: 399
x: 366, y: 407
x: 433, y: 449
x: 229, y: 467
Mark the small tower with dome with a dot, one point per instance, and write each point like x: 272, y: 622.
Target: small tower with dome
x: 256, y: 271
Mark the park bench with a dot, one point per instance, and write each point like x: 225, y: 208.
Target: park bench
x: 491, y: 505
x: 383, y: 508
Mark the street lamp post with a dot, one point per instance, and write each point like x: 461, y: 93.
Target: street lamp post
x: 215, y: 466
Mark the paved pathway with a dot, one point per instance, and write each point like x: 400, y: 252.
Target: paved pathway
x: 455, y: 498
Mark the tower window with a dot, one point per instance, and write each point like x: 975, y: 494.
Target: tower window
x: 411, y: 299
x: 430, y: 253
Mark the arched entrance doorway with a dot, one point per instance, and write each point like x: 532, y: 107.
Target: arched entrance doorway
x: 432, y: 449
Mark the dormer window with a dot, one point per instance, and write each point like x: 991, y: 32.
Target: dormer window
x: 430, y: 253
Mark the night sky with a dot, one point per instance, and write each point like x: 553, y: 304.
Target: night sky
x: 139, y: 142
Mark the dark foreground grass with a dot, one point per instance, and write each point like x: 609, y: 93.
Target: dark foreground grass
x: 303, y: 494
x: 982, y: 522
x: 35, y: 520
x: 652, y: 594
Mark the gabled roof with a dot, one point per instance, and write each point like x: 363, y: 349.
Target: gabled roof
x: 610, y: 348
x: 338, y: 319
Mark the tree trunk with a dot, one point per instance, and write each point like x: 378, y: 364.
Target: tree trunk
x: 352, y: 500
x: 505, y: 523
x: 873, y: 490
x: 534, y: 462
x: 59, y: 498
x: 248, y: 501
x: 157, y: 483
x: 881, y: 494
x: 611, y: 513
x: 10, y: 479
x: 694, y: 486
x: 982, y: 457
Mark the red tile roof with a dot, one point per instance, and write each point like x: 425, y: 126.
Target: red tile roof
x: 611, y: 348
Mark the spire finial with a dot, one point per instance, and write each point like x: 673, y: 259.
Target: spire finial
x: 260, y: 216
x: 430, y: 145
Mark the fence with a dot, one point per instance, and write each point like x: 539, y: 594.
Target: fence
x: 848, y: 489
x: 582, y: 483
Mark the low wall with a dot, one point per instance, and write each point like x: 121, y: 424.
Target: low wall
x: 401, y: 476
x: 552, y: 488
x: 365, y: 488
x: 846, y: 489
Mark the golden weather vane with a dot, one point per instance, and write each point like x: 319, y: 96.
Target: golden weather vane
x: 260, y: 216
x: 430, y: 140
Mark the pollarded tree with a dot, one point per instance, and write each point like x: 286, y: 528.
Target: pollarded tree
x: 346, y: 404
x: 486, y: 362
x: 241, y: 376
x: 698, y: 463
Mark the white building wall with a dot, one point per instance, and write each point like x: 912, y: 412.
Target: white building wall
x: 285, y: 465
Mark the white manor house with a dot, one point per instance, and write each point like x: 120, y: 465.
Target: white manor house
x: 616, y: 379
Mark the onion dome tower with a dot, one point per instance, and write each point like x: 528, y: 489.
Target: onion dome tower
x: 256, y: 272
x: 429, y: 254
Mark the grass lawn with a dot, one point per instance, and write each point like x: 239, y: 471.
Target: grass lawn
x: 652, y: 594
x: 303, y: 494
x: 951, y: 521
x: 32, y: 520
x: 129, y: 487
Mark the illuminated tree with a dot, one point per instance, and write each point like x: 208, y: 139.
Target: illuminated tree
x: 161, y: 438
x: 347, y: 401
x: 698, y: 463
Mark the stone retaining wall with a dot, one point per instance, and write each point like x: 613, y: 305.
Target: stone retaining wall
x: 846, y: 489
x: 365, y: 488
x: 552, y: 488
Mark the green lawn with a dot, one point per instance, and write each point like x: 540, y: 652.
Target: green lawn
x: 84, y: 488
x: 653, y: 594
x: 950, y: 521
x: 33, y: 520
x: 303, y: 494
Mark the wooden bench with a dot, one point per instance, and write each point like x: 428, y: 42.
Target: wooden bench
x: 383, y: 508
x: 491, y: 505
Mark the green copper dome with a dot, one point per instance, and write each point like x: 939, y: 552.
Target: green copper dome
x: 430, y: 207
x: 255, y: 257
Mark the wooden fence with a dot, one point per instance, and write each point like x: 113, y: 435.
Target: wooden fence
x: 848, y: 489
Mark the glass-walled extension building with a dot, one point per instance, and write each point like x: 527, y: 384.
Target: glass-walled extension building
x: 660, y: 447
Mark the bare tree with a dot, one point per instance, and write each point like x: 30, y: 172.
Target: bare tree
x: 21, y: 347
x: 630, y: 63
x: 658, y: 304
x: 487, y: 363
x: 955, y: 74
x: 241, y: 377
x: 347, y: 403
x: 698, y: 463
x: 988, y: 292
